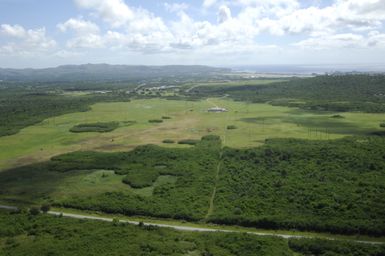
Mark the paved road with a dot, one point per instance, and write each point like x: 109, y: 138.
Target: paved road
x: 186, y: 228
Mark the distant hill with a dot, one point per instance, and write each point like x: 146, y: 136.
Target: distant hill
x: 105, y: 72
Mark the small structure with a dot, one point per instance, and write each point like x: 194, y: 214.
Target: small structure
x: 217, y: 110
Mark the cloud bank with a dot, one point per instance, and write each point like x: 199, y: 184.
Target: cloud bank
x: 225, y: 30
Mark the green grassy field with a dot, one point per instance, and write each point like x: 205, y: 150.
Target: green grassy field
x: 190, y: 120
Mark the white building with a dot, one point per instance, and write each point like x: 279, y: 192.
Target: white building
x: 217, y: 110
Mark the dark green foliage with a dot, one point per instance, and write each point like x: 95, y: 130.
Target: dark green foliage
x: 231, y: 127
x: 22, y: 107
x: 331, y: 186
x: 338, y: 93
x: 382, y: 125
x: 141, y: 177
x: 95, y: 127
x: 168, y: 141
x: 166, y: 117
x: 155, y: 121
x: 337, y: 116
x: 188, y: 142
x: 188, y: 198
x: 34, y: 211
x: 334, y: 186
x: 45, y: 208
x: 47, y: 235
x: 318, y: 247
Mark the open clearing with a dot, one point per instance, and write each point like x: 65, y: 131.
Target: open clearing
x: 189, y: 120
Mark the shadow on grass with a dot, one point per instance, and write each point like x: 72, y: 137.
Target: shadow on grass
x: 30, y: 183
x: 325, y: 124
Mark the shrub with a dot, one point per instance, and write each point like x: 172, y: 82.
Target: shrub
x: 45, y: 208
x: 95, y: 127
x: 337, y: 116
x: 188, y: 142
x: 155, y: 121
x: 166, y: 117
x: 231, y: 127
x: 168, y: 141
x: 34, y: 211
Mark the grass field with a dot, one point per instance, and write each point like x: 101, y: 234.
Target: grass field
x: 90, y: 183
x: 189, y: 120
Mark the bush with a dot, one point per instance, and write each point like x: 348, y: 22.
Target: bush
x: 337, y: 116
x: 231, y: 127
x: 45, y: 208
x: 188, y: 142
x: 95, y: 127
x: 382, y: 125
x: 167, y: 141
x: 34, y: 211
x: 166, y: 117
x: 155, y: 121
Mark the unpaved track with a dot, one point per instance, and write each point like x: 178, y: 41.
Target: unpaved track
x: 196, y: 229
x: 189, y: 228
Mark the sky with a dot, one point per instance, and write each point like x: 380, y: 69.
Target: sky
x: 44, y: 33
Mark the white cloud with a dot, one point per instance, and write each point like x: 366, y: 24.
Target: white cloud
x: 23, y: 41
x: 209, y: 3
x: 332, y: 41
x: 115, y: 12
x: 13, y: 30
x: 86, y: 41
x: 176, y: 7
x: 224, y: 14
x: 79, y: 26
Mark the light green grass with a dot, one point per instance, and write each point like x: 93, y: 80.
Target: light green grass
x: 91, y: 183
x: 190, y: 120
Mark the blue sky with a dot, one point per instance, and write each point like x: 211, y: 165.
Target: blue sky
x: 42, y: 33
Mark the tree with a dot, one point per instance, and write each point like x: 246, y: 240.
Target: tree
x: 45, y: 208
x: 34, y: 211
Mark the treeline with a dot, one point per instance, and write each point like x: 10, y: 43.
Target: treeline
x: 20, y: 108
x: 23, y: 234
x: 329, y: 93
x: 187, y: 198
x: 319, y: 247
x: 328, y: 186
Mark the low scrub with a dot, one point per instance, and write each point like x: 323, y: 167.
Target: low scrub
x: 155, y: 121
x: 95, y: 127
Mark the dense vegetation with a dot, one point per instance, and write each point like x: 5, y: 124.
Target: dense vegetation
x: 333, y: 186
x: 25, y: 234
x: 330, y: 93
x: 187, y: 199
x: 319, y: 247
x: 95, y: 127
x: 105, y: 72
x: 22, y: 107
x: 21, y: 234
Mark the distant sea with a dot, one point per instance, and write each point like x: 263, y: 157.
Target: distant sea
x: 309, y: 69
